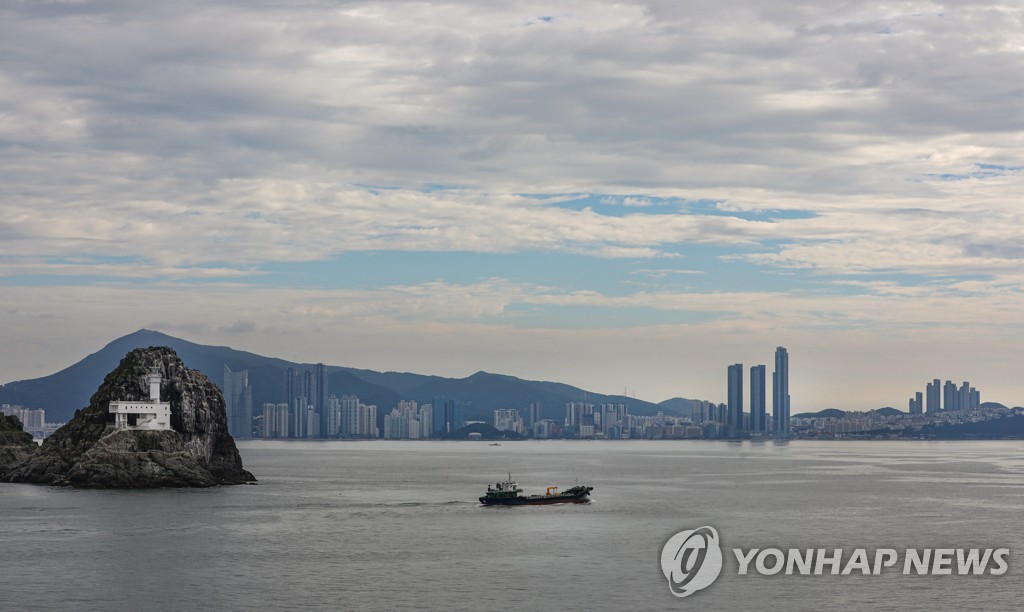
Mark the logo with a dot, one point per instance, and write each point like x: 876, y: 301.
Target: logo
x: 691, y: 560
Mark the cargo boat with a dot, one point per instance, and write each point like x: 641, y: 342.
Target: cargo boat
x: 508, y: 493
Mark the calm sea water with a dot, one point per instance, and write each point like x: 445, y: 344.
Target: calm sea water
x: 396, y: 525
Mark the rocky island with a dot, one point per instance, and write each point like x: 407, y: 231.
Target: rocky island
x: 15, y: 444
x: 100, y: 449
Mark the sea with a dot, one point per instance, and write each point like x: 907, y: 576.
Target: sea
x: 396, y: 525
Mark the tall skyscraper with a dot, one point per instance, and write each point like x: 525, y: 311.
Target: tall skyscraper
x: 367, y: 422
x: 309, y: 388
x: 446, y: 415
x: 964, y: 399
x: 735, y: 399
x: 757, y: 399
x: 453, y: 414
x: 291, y: 397
x: 320, y: 403
x: 275, y: 420
x: 437, y: 417
x: 290, y: 386
x: 950, y: 396
x: 780, y: 393
x: 238, y: 403
x: 916, y: 403
x: 533, y: 414
x: 933, y: 392
x: 333, y: 417
x: 349, y: 415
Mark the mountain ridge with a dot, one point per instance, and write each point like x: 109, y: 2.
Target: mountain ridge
x: 69, y: 389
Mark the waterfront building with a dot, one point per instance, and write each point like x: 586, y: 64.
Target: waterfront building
x: 950, y: 396
x: 780, y: 393
x: 757, y: 399
x: 238, y: 403
x: 321, y: 396
x: 349, y: 415
x: 933, y: 392
x: 915, y: 406
x: 735, y: 416
x: 508, y: 419
x: 270, y: 420
x: 533, y: 414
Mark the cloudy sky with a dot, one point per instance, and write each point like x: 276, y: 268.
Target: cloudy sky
x: 617, y: 195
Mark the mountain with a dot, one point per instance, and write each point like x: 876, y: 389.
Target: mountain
x: 828, y: 413
x: 679, y: 405
x: 62, y: 393
x: 835, y: 413
x: 889, y: 411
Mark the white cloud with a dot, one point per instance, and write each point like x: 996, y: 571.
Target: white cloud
x: 454, y: 330
x: 187, y: 140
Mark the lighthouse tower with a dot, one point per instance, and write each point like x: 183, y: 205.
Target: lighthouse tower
x: 151, y: 414
x: 154, y: 380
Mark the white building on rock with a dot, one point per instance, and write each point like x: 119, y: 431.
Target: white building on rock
x: 151, y: 414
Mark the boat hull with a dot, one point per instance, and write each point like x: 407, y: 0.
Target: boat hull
x: 582, y: 497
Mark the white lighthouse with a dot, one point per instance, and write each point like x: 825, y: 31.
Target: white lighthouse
x: 152, y: 414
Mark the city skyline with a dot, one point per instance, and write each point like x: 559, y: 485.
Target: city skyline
x: 613, y: 195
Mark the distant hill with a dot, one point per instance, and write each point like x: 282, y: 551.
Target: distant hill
x: 679, y: 405
x: 835, y: 413
x: 828, y: 413
x: 890, y: 411
x: 62, y: 393
x: 992, y: 405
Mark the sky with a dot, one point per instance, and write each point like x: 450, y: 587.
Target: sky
x: 623, y: 196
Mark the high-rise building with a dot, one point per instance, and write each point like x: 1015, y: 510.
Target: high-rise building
x: 533, y: 414
x: 438, y: 427
x: 574, y: 412
x: 964, y: 399
x: 290, y: 386
x: 294, y: 399
x: 446, y: 415
x: 508, y: 419
x: 349, y: 415
x: 757, y: 399
x: 950, y: 397
x: 297, y: 417
x: 453, y: 414
x: 238, y: 403
x: 933, y: 392
x: 367, y: 422
x: 333, y: 421
x: 426, y: 421
x: 735, y: 399
x: 321, y: 396
x: 916, y: 403
x: 309, y: 388
x: 407, y: 421
x: 275, y: 420
x: 780, y: 393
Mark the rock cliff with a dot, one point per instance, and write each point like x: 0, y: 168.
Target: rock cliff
x: 15, y: 445
x: 89, y: 452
